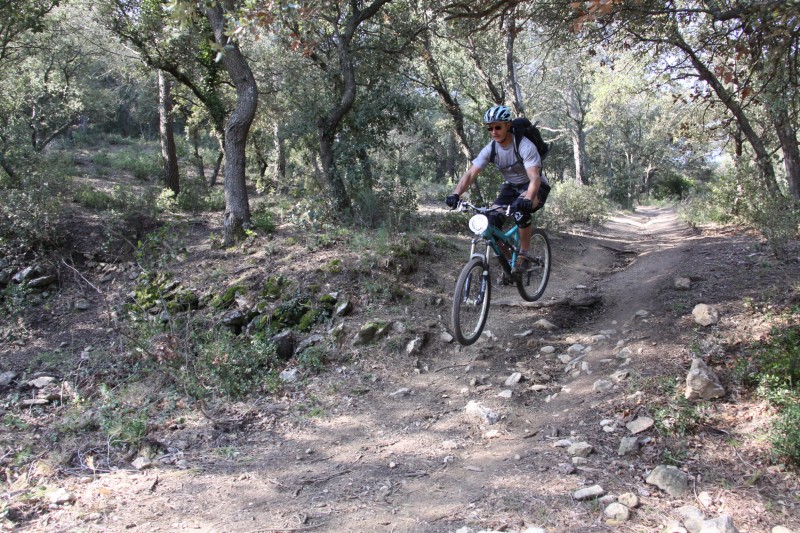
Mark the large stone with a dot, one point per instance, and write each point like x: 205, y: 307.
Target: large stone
x: 721, y: 524
x: 545, y: 324
x: 701, y: 382
x: 628, y: 446
x: 640, y: 425
x: 617, y: 512
x: 6, y: 378
x: 691, y: 517
x: 705, y: 315
x: 629, y: 500
x: 61, y: 497
x: 669, y: 479
x: 602, y: 385
x: 589, y: 493
x: 481, y: 413
x: 580, y: 449
x: 43, y: 281
x: 308, y: 342
x: 284, y: 344
x: 42, y: 382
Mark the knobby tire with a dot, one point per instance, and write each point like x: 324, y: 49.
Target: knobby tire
x: 533, y: 281
x: 471, y: 301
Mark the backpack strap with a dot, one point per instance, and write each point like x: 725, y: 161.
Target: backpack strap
x: 517, y: 140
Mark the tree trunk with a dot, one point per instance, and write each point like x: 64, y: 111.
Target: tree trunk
x: 576, y: 114
x: 212, y: 180
x: 787, y: 135
x: 279, y: 169
x: 510, y: 30
x: 194, y: 137
x: 237, y: 206
x: 765, y: 168
x: 451, y: 105
x: 169, y: 155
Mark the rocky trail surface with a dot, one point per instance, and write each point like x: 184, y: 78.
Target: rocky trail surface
x: 546, y: 424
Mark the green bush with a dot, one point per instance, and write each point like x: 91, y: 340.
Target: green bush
x: 569, y: 202
x: 233, y: 365
x: 262, y: 218
x: 773, y: 365
x: 196, y: 196
x: 31, y: 212
x: 785, y: 435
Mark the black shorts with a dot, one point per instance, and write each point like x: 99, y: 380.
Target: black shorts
x: 510, y: 192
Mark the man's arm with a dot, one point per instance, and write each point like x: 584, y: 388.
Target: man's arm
x: 534, y: 174
x: 467, y: 179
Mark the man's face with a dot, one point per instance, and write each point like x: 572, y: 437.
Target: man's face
x: 498, y: 130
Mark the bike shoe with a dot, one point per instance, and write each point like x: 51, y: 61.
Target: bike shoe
x: 524, y: 260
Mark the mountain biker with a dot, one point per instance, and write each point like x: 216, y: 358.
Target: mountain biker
x: 525, y: 189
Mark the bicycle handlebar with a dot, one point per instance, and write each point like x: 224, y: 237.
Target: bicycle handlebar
x: 464, y: 205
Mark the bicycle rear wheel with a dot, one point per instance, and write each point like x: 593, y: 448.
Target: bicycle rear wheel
x: 532, y: 282
x: 471, y: 301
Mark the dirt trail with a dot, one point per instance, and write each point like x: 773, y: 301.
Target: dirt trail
x: 382, y: 441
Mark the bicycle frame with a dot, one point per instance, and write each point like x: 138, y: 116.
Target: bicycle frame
x: 493, y: 237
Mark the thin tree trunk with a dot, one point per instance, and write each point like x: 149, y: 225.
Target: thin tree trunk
x: 451, y: 105
x: 762, y: 155
x: 169, y: 155
x: 787, y: 135
x: 237, y: 206
x: 194, y: 136
x: 510, y: 30
x: 279, y: 168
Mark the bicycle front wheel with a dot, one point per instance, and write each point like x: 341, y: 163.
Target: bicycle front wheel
x: 532, y: 282
x: 471, y: 301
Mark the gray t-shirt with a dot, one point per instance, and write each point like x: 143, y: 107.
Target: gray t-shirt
x: 507, y: 163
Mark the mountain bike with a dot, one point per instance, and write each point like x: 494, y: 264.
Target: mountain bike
x: 474, y: 285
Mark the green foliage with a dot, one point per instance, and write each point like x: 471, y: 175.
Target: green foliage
x: 678, y: 417
x: 124, y: 422
x: 313, y: 358
x: 736, y: 195
x: 196, y: 196
x: 142, y: 164
x: 161, y: 246
x: 569, y: 202
x: 233, y: 365
x: 672, y: 186
x: 91, y: 198
x: 166, y: 200
x: 262, y: 219
x: 227, y: 298
x: 774, y: 364
x: 785, y: 435
x: 773, y: 367
x: 273, y: 287
x: 31, y: 212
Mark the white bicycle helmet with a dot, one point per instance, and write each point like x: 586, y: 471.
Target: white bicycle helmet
x: 498, y: 113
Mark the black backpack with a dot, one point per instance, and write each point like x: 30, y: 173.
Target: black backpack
x: 522, y: 127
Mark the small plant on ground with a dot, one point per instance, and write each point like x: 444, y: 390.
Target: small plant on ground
x: 772, y: 366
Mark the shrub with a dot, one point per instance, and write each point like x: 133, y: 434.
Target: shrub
x: 774, y: 366
x: 30, y: 213
x: 196, y: 196
x: 570, y: 202
x: 262, y: 219
x: 785, y: 436
x: 235, y: 366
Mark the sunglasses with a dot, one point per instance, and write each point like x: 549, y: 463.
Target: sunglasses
x: 494, y: 128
